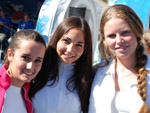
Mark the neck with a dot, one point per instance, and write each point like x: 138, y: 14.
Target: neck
x: 128, y: 62
x: 125, y: 67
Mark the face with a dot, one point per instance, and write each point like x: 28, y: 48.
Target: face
x: 120, y: 38
x: 26, y: 17
x: 2, y: 13
x: 71, y: 46
x: 148, y: 49
x: 25, y: 62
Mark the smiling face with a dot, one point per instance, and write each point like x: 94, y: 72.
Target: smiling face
x: 25, y: 62
x: 71, y: 46
x: 120, y: 38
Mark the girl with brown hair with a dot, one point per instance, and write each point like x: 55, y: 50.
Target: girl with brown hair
x: 22, y: 63
x: 63, y: 84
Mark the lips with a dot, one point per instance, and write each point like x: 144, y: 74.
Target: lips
x: 121, y: 47
x: 68, y: 55
x: 29, y: 73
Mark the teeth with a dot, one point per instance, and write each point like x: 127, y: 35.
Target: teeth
x: 28, y: 73
x: 69, y: 56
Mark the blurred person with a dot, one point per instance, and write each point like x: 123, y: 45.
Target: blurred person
x: 5, y: 28
x: 146, y: 41
x: 26, y: 23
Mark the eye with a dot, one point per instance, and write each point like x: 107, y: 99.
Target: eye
x: 38, y: 60
x: 111, y: 36
x: 66, y: 41
x: 79, y: 45
x: 26, y: 58
x: 124, y: 33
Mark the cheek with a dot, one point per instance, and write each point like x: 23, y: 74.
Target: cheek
x: 38, y: 67
x: 59, y: 47
x: 80, y: 52
x: 110, y: 43
x: 16, y: 67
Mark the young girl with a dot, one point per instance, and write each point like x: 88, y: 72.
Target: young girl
x: 121, y: 83
x: 21, y: 64
x: 63, y: 84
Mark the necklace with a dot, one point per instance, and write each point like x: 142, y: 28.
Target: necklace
x: 122, y: 73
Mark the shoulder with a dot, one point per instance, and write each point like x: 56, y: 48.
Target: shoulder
x: 7, y: 19
x: 103, y: 71
x: 21, y: 21
x: 30, y: 22
x: 147, y: 66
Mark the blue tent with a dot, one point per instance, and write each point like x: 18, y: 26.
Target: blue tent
x: 141, y: 7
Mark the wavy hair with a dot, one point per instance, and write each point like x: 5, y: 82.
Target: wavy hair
x: 126, y: 13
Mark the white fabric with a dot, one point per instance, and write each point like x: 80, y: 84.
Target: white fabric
x: 13, y: 102
x: 103, y: 91
x: 120, y: 103
x: 57, y: 98
x: 2, y: 36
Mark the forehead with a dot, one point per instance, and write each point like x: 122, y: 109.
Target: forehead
x: 30, y: 47
x: 27, y: 43
x: 116, y: 24
x: 75, y: 33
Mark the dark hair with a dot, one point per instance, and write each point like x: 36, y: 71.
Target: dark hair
x: 23, y: 35
x: 3, y: 10
x: 27, y: 14
x: 126, y: 13
x: 83, y: 68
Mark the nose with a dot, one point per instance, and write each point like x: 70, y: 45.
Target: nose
x: 119, y: 39
x: 29, y: 65
x: 70, y: 47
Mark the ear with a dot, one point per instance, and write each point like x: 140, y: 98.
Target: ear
x: 148, y: 50
x: 9, y: 54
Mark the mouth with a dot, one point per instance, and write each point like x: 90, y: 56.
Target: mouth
x: 68, y: 55
x: 122, y: 47
x: 29, y: 73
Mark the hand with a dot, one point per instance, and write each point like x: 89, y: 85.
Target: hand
x: 1, y: 23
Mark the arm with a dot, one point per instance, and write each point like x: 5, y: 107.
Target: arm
x: 7, y: 24
x: 4, y: 25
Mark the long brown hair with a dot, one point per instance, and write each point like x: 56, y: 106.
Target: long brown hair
x: 126, y: 13
x: 82, y: 73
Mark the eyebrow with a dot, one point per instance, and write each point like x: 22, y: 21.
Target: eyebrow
x: 40, y: 58
x: 30, y: 55
x: 65, y: 37
x: 81, y: 42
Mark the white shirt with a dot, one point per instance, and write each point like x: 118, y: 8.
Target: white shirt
x: 14, y: 102
x: 103, y: 91
x: 120, y: 102
x: 57, y: 98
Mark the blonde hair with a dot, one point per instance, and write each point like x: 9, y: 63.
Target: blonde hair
x: 146, y: 41
x: 126, y: 13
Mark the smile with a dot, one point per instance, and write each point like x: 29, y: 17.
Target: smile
x: 122, y: 47
x: 29, y: 73
x: 69, y: 56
